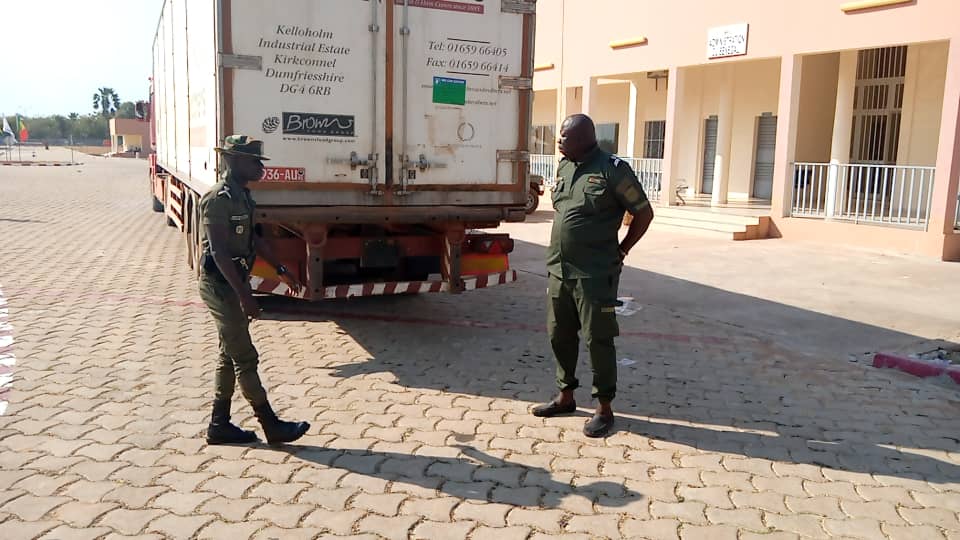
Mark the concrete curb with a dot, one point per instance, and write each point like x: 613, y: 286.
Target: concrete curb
x: 913, y: 366
x: 37, y: 164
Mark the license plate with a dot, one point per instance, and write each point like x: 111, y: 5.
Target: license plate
x: 284, y: 174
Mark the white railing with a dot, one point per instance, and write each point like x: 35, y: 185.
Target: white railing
x: 648, y: 171
x: 545, y: 165
x: 877, y: 194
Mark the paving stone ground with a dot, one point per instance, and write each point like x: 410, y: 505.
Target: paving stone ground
x: 419, y: 408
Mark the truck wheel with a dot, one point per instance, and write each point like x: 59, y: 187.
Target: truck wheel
x: 533, y: 201
x: 157, y: 205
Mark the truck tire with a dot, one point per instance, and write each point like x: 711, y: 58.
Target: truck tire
x: 533, y: 200
x: 157, y: 205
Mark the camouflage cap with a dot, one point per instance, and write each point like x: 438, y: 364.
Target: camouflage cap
x: 242, y: 145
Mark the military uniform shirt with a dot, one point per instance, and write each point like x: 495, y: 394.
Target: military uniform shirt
x: 590, y: 199
x: 229, y: 204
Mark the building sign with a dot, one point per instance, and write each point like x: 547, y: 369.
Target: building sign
x: 724, y: 41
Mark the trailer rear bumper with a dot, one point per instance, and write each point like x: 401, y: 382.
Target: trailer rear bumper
x: 390, y: 214
x: 482, y: 281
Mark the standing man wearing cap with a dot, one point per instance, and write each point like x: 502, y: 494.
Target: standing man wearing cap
x: 594, y: 189
x: 229, y: 249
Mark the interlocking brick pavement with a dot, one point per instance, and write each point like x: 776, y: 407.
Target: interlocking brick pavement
x: 421, y: 427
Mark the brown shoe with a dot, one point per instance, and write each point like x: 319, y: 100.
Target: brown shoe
x: 598, y: 426
x: 554, y: 408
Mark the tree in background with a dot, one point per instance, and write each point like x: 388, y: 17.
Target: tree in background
x: 89, y: 129
x: 92, y: 128
x: 73, y: 124
x: 42, y: 128
x: 63, y: 126
x: 106, y: 101
x: 127, y: 110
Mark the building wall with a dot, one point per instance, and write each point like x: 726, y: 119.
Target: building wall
x: 612, y: 106
x: 134, y: 132
x: 544, y: 107
x: 757, y: 92
x: 651, y: 106
x: 818, y: 101
x: 863, y: 236
x: 688, y: 147
x: 755, y: 88
x: 677, y: 34
x: 923, y: 103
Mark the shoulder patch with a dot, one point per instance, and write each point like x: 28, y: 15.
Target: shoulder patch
x: 225, y: 191
x: 615, y: 160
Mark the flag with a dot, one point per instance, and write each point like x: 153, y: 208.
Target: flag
x: 24, y: 134
x: 7, y: 131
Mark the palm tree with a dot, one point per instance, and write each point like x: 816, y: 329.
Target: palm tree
x: 106, y: 101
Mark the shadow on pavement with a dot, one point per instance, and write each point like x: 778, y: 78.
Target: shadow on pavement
x: 750, y: 396
x: 478, y: 476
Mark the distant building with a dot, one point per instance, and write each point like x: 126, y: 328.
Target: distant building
x: 129, y: 136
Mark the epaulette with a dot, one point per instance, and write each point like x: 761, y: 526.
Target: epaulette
x: 225, y: 191
x: 615, y: 160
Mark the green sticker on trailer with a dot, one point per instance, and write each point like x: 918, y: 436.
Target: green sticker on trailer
x: 448, y: 91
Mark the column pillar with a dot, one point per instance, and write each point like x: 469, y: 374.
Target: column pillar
x: 945, y: 187
x: 633, y: 124
x: 590, y: 95
x: 721, y: 169
x: 676, y: 83
x: 842, y: 129
x: 788, y: 113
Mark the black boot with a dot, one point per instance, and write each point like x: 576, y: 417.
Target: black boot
x: 221, y: 431
x: 277, y: 431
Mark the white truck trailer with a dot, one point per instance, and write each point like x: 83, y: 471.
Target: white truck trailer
x: 397, y: 132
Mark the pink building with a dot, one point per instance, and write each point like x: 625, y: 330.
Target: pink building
x: 837, y: 119
x: 130, y: 136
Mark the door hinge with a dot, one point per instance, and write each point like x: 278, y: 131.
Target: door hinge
x: 523, y: 7
x: 513, y: 155
x: 516, y: 83
x: 241, y: 61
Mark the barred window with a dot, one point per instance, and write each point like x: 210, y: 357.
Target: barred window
x: 655, y: 133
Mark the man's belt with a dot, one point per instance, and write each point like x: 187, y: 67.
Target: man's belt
x: 209, y: 266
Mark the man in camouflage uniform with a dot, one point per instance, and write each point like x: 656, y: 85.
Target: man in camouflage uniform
x: 229, y: 249
x: 594, y: 189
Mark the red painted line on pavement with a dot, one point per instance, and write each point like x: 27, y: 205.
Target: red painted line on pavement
x: 465, y: 323
x: 316, y: 310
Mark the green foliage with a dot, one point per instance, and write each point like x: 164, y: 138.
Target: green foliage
x: 91, y: 129
x: 106, y: 101
x: 127, y: 110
